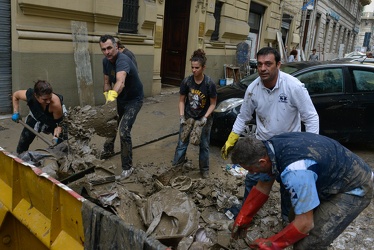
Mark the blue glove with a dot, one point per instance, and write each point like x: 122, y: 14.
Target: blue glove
x: 16, y: 117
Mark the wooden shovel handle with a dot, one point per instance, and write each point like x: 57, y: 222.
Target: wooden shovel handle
x: 36, y: 133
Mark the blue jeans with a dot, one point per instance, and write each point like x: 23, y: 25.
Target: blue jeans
x: 180, y: 151
x: 126, y: 116
x: 251, y: 181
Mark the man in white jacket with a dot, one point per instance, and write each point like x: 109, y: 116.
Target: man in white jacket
x: 281, y: 103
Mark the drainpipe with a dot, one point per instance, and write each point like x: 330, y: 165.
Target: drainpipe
x: 310, y: 35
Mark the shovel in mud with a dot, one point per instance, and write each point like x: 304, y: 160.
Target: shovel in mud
x: 50, y: 144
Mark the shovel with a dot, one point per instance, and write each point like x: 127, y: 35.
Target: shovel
x: 36, y: 133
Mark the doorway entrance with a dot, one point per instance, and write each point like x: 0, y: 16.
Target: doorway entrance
x: 175, y: 38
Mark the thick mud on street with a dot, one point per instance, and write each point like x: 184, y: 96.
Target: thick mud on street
x: 184, y: 211
x: 172, y: 204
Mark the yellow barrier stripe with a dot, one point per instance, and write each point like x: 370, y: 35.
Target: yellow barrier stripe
x: 49, y: 209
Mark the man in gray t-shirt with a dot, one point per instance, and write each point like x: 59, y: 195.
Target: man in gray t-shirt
x: 121, y: 84
x: 313, y: 56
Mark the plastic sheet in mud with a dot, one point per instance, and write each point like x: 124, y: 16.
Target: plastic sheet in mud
x: 170, y: 212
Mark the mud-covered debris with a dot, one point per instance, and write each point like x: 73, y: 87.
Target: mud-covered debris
x: 170, y: 212
x: 195, y: 135
x: 51, y: 167
x: 102, y: 120
x: 109, y: 199
x: 181, y: 183
x: 186, y: 129
x: 206, y: 236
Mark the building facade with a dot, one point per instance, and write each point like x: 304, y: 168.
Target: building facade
x: 366, y: 35
x: 331, y: 27
x: 58, y: 41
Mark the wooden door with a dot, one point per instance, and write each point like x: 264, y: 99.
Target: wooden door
x: 175, y: 38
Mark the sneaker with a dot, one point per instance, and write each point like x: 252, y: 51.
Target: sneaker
x: 106, y: 154
x: 188, y: 165
x: 125, y: 174
x: 205, y: 174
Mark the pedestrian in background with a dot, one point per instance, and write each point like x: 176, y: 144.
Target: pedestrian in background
x: 127, y: 52
x: 197, y: 100
x: 313, y: 56
x: 329, y: 187
x: 46, y: 113
x: 281, y: 103
x: 121, y: 84
x: 293, y: 56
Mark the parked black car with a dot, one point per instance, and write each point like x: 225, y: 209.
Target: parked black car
x: 342, y: 93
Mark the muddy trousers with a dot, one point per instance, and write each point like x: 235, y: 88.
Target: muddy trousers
x: 180, y: 151
x: 27, y: 137
x: 251, y: 181
x: 331, y: 218
x: 126, y: 116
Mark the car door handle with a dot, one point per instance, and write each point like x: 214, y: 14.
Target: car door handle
x: 346, y: 102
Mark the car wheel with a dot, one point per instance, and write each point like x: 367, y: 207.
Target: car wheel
x: 250, y: 130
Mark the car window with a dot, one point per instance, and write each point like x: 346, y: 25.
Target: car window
x: 323, y: 81
x: 289, y: 69
x: 249, y: 79
x: 364, y: 80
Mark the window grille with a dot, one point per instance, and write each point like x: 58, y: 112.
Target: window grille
x: 129, y: 20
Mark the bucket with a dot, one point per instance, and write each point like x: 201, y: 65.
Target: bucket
x: 222, y: 82
x: 229, y: 81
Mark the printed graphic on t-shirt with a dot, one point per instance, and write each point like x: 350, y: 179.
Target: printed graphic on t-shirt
x: 196, y: 99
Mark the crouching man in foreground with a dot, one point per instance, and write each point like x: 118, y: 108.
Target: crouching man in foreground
x: 329, y: 187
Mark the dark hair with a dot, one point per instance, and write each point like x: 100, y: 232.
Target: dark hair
x: 104, y: 38
x: 120, y: 45
x: 42, y: 87
x: 314, y: 50
x: 293, y: 52
x: 269, y: 50
x: 199, y: 56
x: 248, y: 151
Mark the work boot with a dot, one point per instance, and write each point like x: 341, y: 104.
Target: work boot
x: 106, y: 154
x: 125, y: 174
x: 205, y: 174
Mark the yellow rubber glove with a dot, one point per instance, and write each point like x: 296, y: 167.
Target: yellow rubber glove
x: 112, y: 96
x: 230, y: 143
x: 106, y: 96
